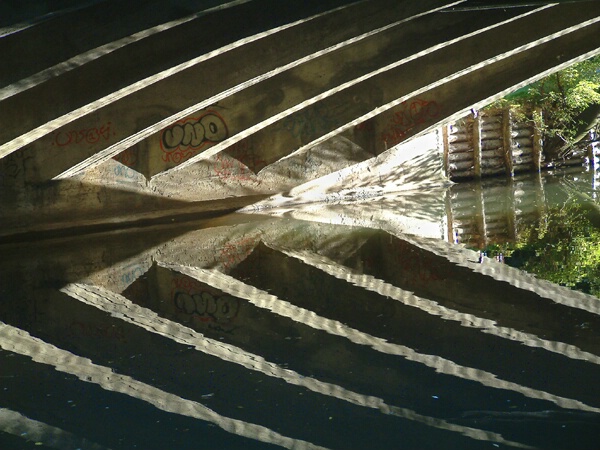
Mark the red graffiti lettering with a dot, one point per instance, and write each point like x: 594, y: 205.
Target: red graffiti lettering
x: 235, y: 252
x: 238, y: 164
x: 84, y: 136
x: 128, y: 157
x: 407, y: 118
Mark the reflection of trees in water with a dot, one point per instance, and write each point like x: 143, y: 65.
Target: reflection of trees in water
x: 562, y: 247
x: 549, y: 227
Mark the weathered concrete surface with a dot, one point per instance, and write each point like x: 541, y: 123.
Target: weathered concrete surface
x: 116, y: 194
x: 506, y: 75
x: 424, y: 86
x: 61, y: 35
x: 118, y: 125
x: 314, y: 128
x: 255, y: 107
x: 390, y: 178
x: 66, y: 207
x: 144, y: 57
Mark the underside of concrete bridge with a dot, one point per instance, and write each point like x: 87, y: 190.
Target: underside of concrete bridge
x: 117, y: 113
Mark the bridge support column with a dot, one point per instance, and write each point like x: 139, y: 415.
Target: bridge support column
x: 507, y: 141
x: 477, y: 144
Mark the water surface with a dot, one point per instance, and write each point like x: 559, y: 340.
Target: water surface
x: 262, y: 331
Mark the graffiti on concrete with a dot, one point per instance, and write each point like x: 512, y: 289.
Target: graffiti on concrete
x: 187, y: 137
x: 312, y: 122
x: 126, y: 172
x: 408, y: 116
x: 12, y: 167
x: 83, y: 136
x: 367, y: 125
x: 123, y: 173
x: 131, y: 273
x: 128, y: 157
x: 238, y: 164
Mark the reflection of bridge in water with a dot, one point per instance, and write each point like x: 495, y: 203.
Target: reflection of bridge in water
x: 245, y: 325
x: 499, y: 211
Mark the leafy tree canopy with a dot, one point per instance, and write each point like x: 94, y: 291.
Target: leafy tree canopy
x: 570, y: 103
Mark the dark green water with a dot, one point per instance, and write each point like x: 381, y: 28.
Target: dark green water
x: 266, y: 332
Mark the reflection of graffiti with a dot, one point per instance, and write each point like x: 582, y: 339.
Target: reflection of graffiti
x: 235, y: 252
x: 407, y: 117
x: 203, y: 305
x: 208, y: 307
x: 186, y: 284
x: 86, y: 136
x: 184, y: 139
x: 95, y: 330
x: 238, y: 164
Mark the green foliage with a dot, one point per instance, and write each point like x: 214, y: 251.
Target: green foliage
x: 562, y: 97
x: 583, y: 94
x: 563, y: 247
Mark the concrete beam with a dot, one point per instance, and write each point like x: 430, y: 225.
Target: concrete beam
x: 255, y: 108
x: 482, y: 86
x: 63, y: 35
x: 99, y: 78
x: 403, y: 101
x: 118, y: 125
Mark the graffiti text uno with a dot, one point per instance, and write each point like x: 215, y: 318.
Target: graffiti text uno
x: 182, y: 140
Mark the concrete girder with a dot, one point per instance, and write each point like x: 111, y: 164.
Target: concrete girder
x: 413, y: 89
x: 137, y: 59
x: 241, y: 111
x: 480, y: 87
x: 162, y: 101
x: 250, y: 110
x: 517, y: 44
x: 67, y: 34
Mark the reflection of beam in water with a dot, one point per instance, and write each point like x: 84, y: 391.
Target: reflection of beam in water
x: 373, y: 284
x: 14, y: 423
x: 19, y: 341
x: 265, y: 300
x: 501, y: 272
x: 120, y: 307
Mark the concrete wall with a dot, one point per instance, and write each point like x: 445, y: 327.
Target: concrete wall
x: 329, y: 102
